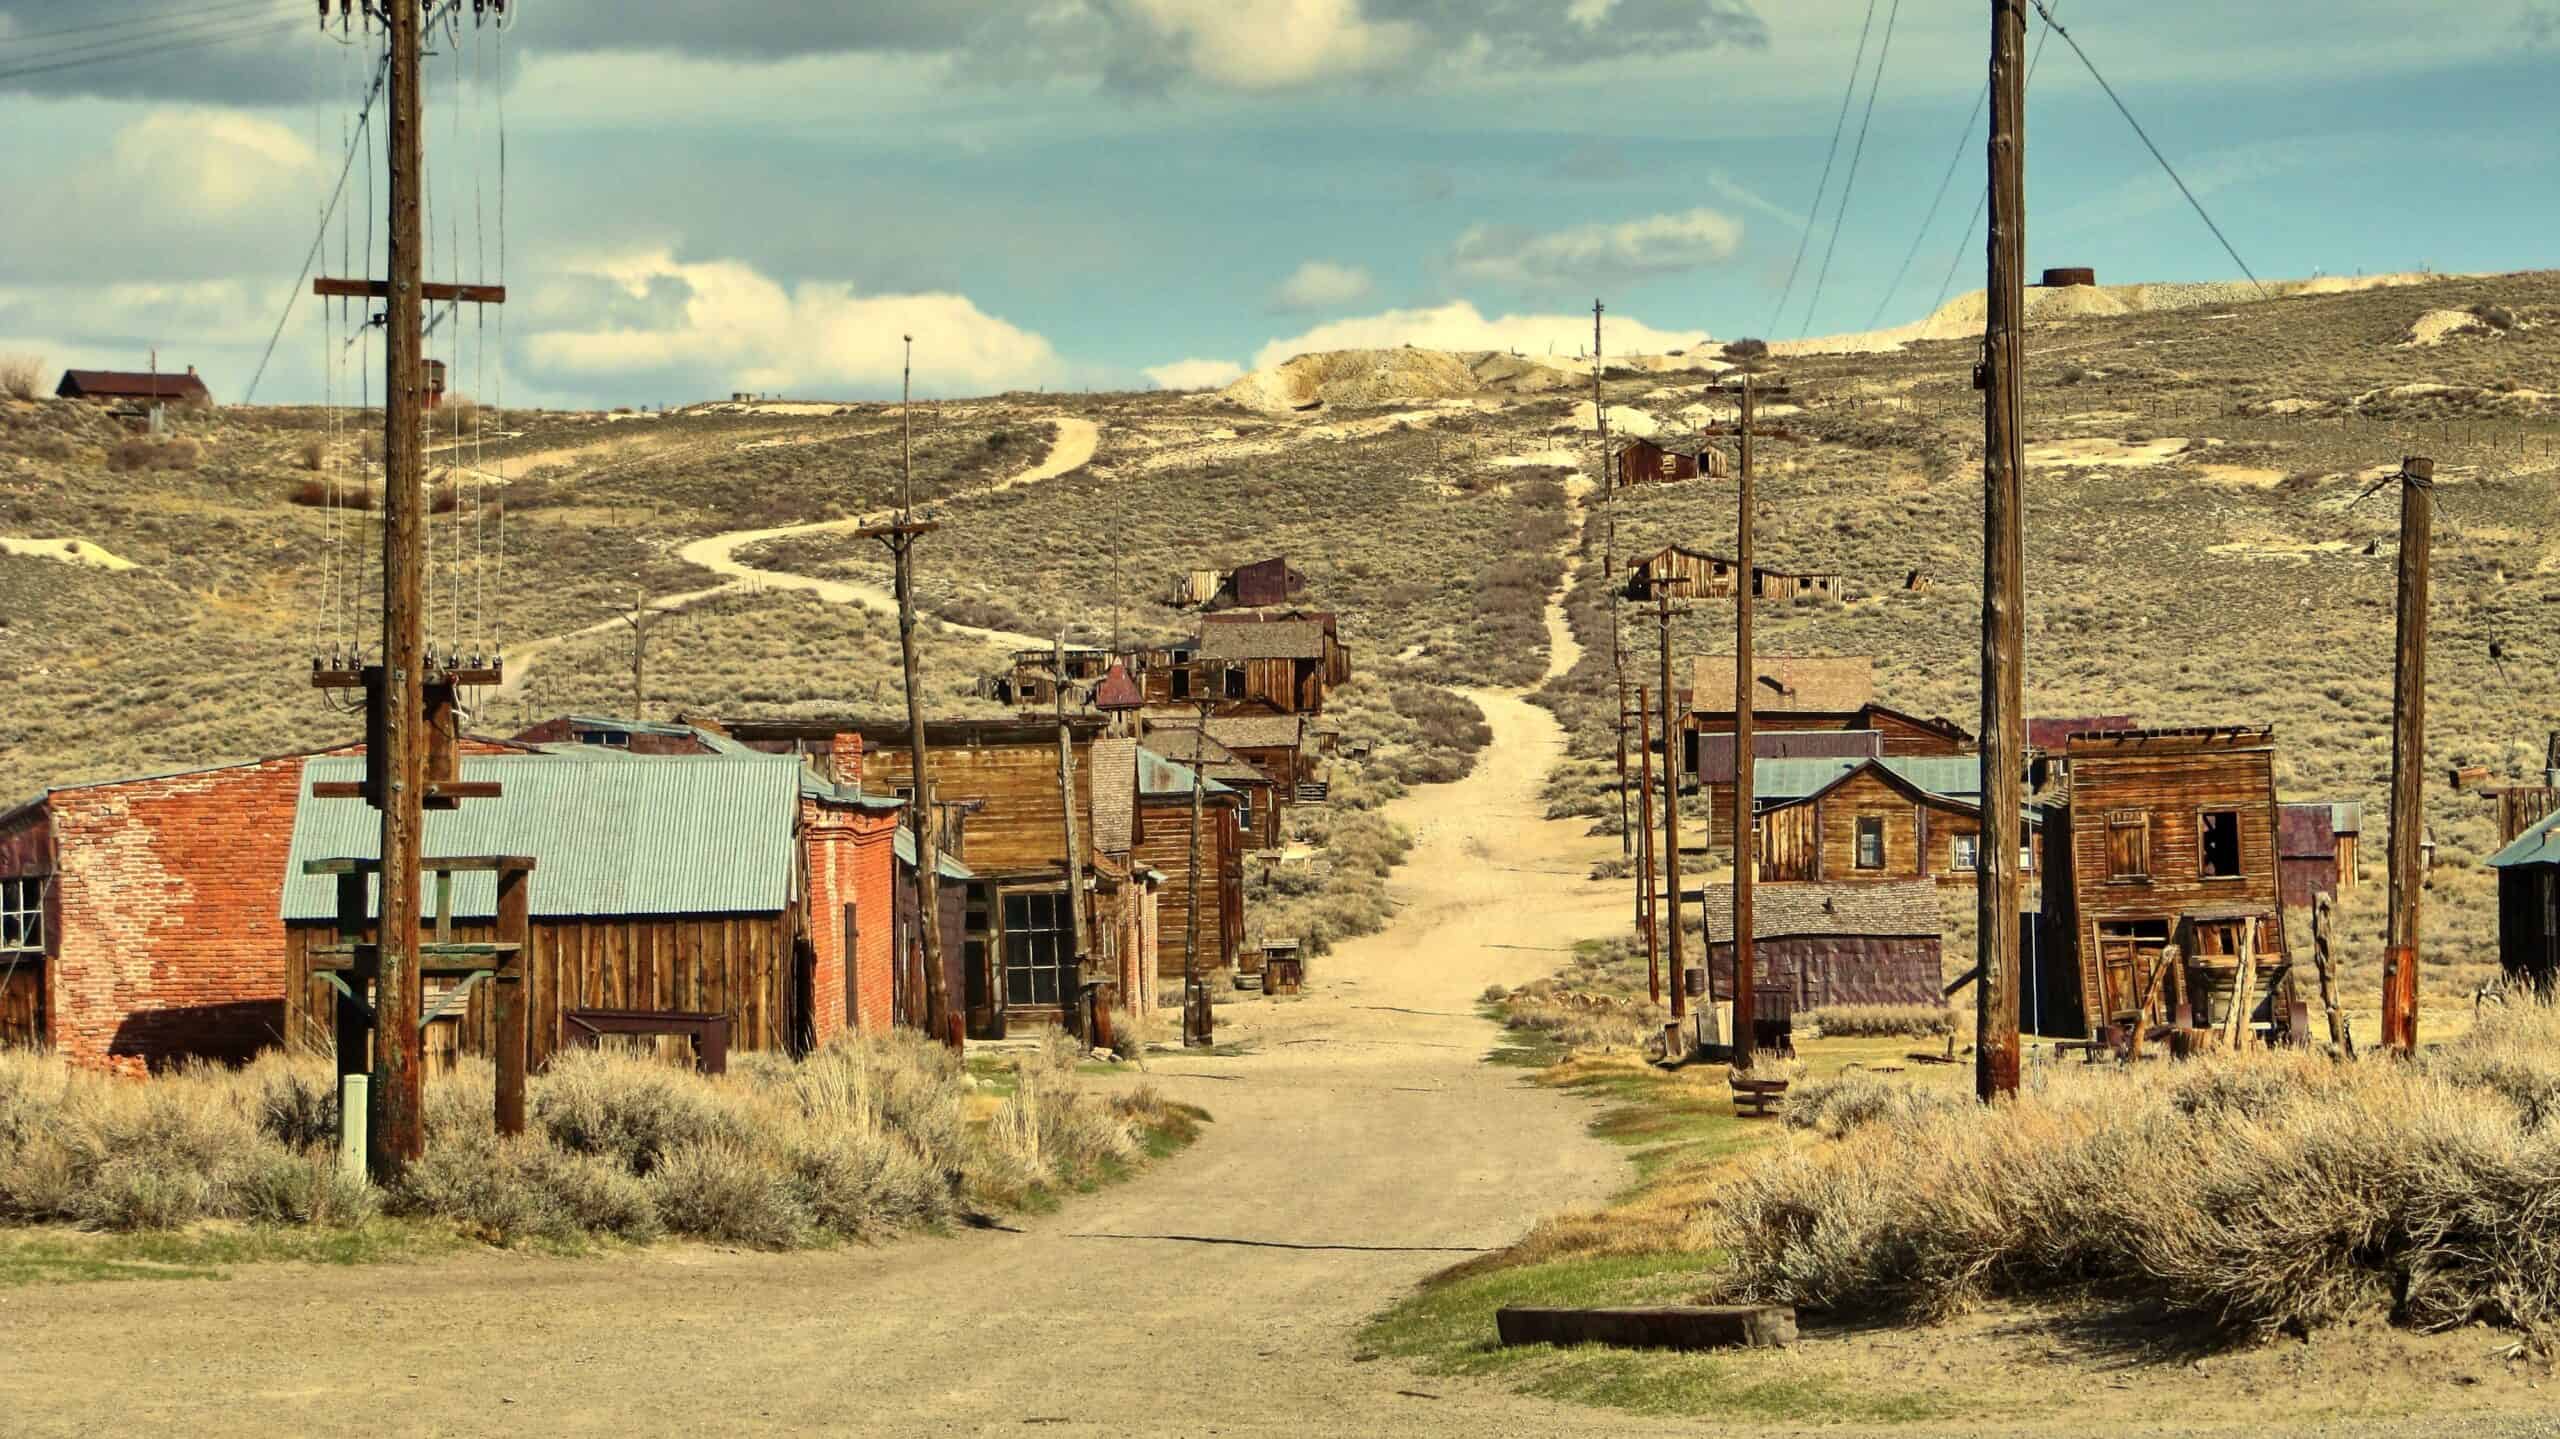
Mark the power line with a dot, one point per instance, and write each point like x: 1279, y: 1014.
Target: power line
x: 1954, y: 162
x: 156, y: 46
x: 1840, y: 218
x: 364, y: 123
x: 156, y: 17
x: 1984, y: 198
x: 1838, y: 127
x: 2145, y: 137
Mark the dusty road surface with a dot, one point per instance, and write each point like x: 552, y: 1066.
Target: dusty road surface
x: 1360, y: 1143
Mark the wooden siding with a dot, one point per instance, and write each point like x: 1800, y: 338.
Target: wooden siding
x: 739, y: 965
x: 1905, y: 736
x: 1164, y: 845
x: 1020, y: 823
x: 1642, y: 462
x: 2163, y: 792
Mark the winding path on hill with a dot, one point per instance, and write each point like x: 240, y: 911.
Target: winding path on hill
x: 1360, y: 1143
x: 1074, y: 447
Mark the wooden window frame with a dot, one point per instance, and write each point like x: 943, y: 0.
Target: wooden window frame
x: 1964, y: 853
x: 2238, y: 867
x: 1867, y: 824
x: 22, y: 899
x: 2139, y: 821
x: 1035, y: 948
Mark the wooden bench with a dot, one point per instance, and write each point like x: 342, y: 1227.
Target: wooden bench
x: 1757, y: 1098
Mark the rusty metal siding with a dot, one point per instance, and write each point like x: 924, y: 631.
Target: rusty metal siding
x: 1821, y: 970
x: 1264, y: 582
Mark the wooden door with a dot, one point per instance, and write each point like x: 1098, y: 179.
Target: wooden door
x: 22, y: 1003
x: 2130, y: 971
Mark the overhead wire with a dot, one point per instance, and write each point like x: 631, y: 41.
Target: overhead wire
x: 1984, y: 199
x: 346, y: 167
x: 1840, y: 218
x: 1838, y: 127
x: 158, y: 24
x: 154, y: 46
x: 1964, y: 139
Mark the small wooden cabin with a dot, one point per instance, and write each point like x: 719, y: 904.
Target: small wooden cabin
x: 1709, y: 576
x: 2163, y: 828
x: 136, y: 387
x: 2316, y: 849
x: 1266, y: 582
x: 1877, y: 820
x: 2529, y: 907
x: 1643, y: 462
x: 1281, y: 662
x: 1163, y: 844
x: 1828, y: 944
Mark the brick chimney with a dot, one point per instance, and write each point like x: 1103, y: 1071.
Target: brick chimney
x: 844, y: 759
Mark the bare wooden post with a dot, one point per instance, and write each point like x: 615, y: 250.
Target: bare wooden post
x: 1648, y: 907
x: 2321, y: 939
x: 1196, y: 1020
x: 1746, y: 860
x: 1671, y: 807
x: 1995, y: 1067
x: 511, y: 1001
x: 1075, y: 847
x: 2408, y: 758
x: 1608, y: 491
x: 1623, y: 838
x: 396, y: 1128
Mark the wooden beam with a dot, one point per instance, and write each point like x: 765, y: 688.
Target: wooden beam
x: 432, y: 291
x: 454, y: 864
x: 449, y: 790
x: 1672, y: 1326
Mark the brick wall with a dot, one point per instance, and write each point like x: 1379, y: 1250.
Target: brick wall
x: 168, y: 889
x: 850, y: 860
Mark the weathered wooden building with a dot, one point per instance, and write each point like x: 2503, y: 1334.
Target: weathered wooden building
x: 1706, y: 576
x: 2167, y: 837
x: 637, y: 736
x: 1261, y: 583
x: 2317, y: 845
x: 134, y: 387
x: 1645, y: 462
x: 2529, y: 907
x: 1874, y: 820
x: 1282, y: 748
x: 1272, y: 661
x: 1163, y: 674
x: 1815, y: 945
x: 1261, y: 801
x: 1797, y: 695
x: 1162, y: 843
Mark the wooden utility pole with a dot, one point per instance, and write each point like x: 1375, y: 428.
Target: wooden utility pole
x: 1995, y: 1064
x: 1608, y: 492
x: 642, y: 619
x: 900, y: 536
x: 1075, y: 839
x: 1623, y: 846
x: 1197, y: 1022
x: 1663, y: 611
x: 1648, y: 906
x: 2408, y: 758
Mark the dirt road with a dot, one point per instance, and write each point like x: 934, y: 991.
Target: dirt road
x: 1074, y: 447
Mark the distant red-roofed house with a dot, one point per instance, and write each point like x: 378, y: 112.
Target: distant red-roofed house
x: 134, y: 385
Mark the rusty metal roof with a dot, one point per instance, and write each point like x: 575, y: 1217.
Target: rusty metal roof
x: 131, y: 385
x: 1715, y: 751
x: 1818, y: 684
x: 1883, y: 909
x: 1117, y: 691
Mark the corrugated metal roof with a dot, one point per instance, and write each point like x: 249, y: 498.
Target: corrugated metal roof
x: 671, y: 834
x: 1877, y: 909
x: 1715, y: 751
x: 1956, y: 776
x: 1159, y: 775
x: 904, y: 843
x: 2538, y: 845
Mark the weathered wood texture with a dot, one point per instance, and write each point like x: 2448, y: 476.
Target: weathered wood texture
x: 1818, y: 838
x: 21, y: 1002
x: 1685, y: 1326
x: 1020, y: 821
x: 2529, y: 926
x: 1810, y: 971
x: 737, y: 965
x: 1164, y: 845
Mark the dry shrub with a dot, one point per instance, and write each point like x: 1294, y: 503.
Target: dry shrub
x: 344, y: 494
x: 1854, y: 1100
x: 141, y: 454
x: 2251, y: 1193
x: 633, y: 1111
x: 311, y: 454
x: 1879, y: 1021
x: 1585, y: 1025
x: 19, y: 375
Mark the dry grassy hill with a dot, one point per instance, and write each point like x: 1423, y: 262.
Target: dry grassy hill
x: 2195, y: 550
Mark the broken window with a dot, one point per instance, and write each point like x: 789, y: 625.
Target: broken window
x: 1181, y: 682
x: 1036, y: 953
x: 2218, y: 842
x: 1870, y: 842
x: 1965, y: 852
x: 22, y: 916
x: 2129, y: 844
x: 1235, y: 684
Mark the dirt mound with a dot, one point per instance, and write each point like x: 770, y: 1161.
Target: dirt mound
x: 2437, y: 326
x: 1962, y: 317
x: 76, y: 552
x: 1355, y: 378
x: 1624, y: 422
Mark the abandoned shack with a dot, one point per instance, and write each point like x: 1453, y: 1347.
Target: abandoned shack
x: 1281, y: 747
x: 1825, y: 944
x: 1710, y: 768
x: 2316, y: 850
x: 2168, y: 838
x: 2529, y: 907
x: 1643, y: 462
x: 141, y: 387
x: 1163, y: 844
x: 1263, y: 582
x: 1875, y: 820
x: 1798, y: 694
x: 1275, y: 661
x: 734, y: 884
x: 1004, y: 816
x: 1705, y: 576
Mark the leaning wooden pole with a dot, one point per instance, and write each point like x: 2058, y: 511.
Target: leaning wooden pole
x: 1075, y: 840
x: 1671, y: 812
x: 2408, y: 759
x: 921, y: 814
x: 1648, y: 905
x: 1995, y: 1065
x: 1608, y: 492
x: 1195, y: 1007
x: 395, y: 1121
x: 1746, y: 857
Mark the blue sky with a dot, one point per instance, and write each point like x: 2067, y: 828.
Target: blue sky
x: 1076, y: 193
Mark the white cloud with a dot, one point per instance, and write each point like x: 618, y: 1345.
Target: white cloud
x: 205, y: 164
x: 1195, y: 374
x: 1322, y: 285
x: 730, y: 323
x: 1273, y: 44
x: 1460, y: 326
x: 1653, y: 245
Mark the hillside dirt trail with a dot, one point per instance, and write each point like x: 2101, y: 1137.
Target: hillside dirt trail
x: 1072, y: 450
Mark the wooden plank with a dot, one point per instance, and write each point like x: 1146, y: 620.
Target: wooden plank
x: 433, y: 291
x: 1671, y: 1326
x: 509, y: 1001
x: 451, y: 864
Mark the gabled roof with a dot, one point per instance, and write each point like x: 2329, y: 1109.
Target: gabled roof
x: 663, y: 835
x: 1115, y: 793
x: 131, y: 384
x: 1816, y: 684
x: 1237, y: 731
x: 1263, y: 640
x: 1117, y: 691
x: 1876, y: 909
x: 2538, y: 845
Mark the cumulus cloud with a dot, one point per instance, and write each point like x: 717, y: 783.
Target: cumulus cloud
x: 1460, y: 326
x: 1655, y: 245
x: 1321, y: 285
x: 730, y: 326
x: 1195, y: 374
x: 1271, y: 44
x: 211, y: 164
